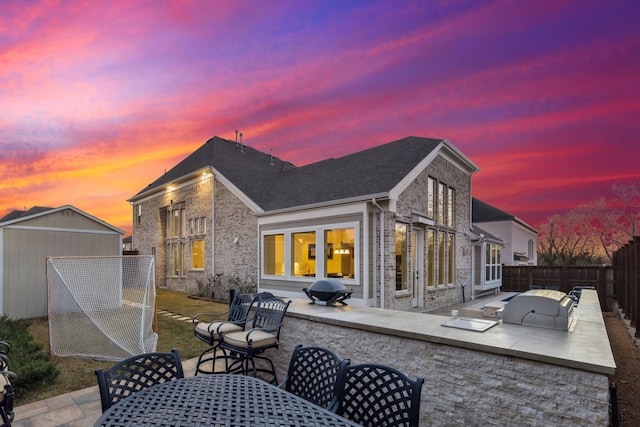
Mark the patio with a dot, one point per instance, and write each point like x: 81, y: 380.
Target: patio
x: 416, y: 348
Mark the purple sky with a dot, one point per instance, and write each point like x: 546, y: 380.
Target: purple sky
x: 97, y: 99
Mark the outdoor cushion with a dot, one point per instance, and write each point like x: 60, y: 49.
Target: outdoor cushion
x: 207, y: 329
x: 259, y: 339
x: 3, y: 381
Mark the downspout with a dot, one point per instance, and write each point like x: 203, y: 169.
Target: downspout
x: 375, y: 203
x: 213, y: 221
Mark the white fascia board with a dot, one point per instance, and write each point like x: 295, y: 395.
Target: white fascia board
x: 15, y: 223
x: 312, y: 213
x: 446, y: 150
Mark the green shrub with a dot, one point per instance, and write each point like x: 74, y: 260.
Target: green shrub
x: 27, y: 359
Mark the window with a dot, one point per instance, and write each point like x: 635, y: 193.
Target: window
x: 197, y: 254
x: 441, y: 258
x: 175, y: 259
x: 138, y: 214
x: 303, y: 254
x: 183, y: 259
x: 451, y: 208
x: 402, y: 269
x: 273, y: 254
x: 493, y: 266
x: 431, y: 258
x: 176, y: 223
x: 338, y: 253
x: 431, y: 197
x: 451, y: 258
x: 442, y: 189
x: 203, y: 225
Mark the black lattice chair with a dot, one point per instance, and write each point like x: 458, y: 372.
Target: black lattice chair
x: 6, y: 398
x: 137, y: 373
x: 313, y: 374
x: 378, y: 395
x: 6, y: 388
x: 245, y: 347
x: 210, y: 331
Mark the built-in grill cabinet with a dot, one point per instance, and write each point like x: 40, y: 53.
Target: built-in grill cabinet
x: 542, y: 308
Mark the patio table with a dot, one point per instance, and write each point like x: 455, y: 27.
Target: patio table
x: 217, y: 400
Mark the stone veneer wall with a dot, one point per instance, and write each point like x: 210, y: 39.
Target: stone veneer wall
x: 464, y: 387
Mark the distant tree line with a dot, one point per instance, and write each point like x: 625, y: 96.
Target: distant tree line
x: 591, y: 233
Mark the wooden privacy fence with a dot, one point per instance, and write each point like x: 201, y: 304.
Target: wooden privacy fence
x: 562, y: 278
x: 626, y: 261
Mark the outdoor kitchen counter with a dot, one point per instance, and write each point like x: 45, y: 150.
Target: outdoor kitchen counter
x: 586, y: 346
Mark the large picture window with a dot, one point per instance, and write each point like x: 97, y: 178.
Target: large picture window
x: 338, y: 255
x: 322, y: 251
x: 303, y: 254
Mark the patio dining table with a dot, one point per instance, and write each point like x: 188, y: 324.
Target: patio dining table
x: 217, y: 400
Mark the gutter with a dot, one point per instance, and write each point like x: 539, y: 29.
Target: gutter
x: 375, y: 203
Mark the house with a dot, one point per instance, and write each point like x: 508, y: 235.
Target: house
x: 520, y: 239
x: 392, y: 222
x: 28, y: 237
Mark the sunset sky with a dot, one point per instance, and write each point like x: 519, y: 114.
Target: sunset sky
x: 97, y: 99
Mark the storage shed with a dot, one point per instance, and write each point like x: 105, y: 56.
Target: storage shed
x: 28, y: 237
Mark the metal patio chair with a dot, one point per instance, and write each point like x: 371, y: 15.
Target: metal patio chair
x: 245, y: 347
x: 313, y: 374
x: 211, y: 331
x: 378, y: 395
x: 137, y: 373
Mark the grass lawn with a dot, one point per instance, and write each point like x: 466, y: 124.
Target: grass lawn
x: 78, y: 373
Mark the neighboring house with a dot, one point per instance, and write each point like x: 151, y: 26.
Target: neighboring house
x: 486, y: 273
x: 391, y: 222
x: 520, y: 239
x: 126, y: 244
x: 28, y: 237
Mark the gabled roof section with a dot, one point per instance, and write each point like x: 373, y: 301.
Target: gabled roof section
x: 37, y: 211
x: 374, y: 171
x: 484, y: 212
x: 479, y: 234
x: 251, y: 171
x: 273, y: 184
x: 20, y: 214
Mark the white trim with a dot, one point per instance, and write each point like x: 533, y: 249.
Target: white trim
x: 314, y: 214
x: 67, y: 230
x: 9, y: 223
x: 319, y: 230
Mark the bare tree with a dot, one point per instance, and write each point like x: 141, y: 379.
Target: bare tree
x: 591, y: 233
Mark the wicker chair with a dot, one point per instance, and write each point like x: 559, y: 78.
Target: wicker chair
x: 137, y: 373
x: 247, y: 346
x: 313, y: 374
x: 211, y: 332
x: 378, y: 395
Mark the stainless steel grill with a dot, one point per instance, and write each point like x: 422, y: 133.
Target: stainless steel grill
x: 542, y: 308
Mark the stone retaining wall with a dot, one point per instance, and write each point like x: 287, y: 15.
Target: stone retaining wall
x: 462, y: 386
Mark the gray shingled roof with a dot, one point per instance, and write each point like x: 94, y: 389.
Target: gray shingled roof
x: 482, y: 212
x: 20, y: 214
x: 276, y: 184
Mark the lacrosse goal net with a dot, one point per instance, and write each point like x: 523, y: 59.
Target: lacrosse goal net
x: 101, y: 307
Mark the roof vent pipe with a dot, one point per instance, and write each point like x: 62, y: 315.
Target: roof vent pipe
x: 271, y: 154
x: 241, y: 146
x: 236, y: 137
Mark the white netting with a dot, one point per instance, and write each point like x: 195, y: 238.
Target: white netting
x: 101, y: 307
